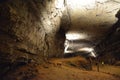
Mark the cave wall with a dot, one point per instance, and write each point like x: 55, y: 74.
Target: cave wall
x: 32, y: 29
x: 109, y: 48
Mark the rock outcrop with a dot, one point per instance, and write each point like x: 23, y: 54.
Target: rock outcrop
x: 32, y: 30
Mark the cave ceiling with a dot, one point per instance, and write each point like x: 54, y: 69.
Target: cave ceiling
x: 93, y: 19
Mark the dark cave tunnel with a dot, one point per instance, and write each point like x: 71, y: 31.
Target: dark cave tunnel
x: 34, y: 31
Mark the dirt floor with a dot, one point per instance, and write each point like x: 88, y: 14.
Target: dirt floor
x: 60, y: 69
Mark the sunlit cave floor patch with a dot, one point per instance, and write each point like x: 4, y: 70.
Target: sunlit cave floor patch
x: 60, y: 69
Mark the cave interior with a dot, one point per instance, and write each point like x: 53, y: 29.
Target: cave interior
x: 33, y: 31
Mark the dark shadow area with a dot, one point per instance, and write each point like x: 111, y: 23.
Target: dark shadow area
x: 109, y: 48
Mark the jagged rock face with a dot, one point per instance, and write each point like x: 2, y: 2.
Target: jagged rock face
x: 31, y: 30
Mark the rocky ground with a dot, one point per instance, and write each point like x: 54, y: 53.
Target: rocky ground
x: 60, y: 69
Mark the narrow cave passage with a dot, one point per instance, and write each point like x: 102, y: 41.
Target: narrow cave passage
x: 53, y: 39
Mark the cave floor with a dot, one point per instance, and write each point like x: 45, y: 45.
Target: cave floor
x: 60, y: 69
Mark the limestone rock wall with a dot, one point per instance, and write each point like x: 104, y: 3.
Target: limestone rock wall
x: 31, y: 30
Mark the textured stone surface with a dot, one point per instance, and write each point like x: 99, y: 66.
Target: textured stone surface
x: 31, y: 30
x: 95, y: 18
